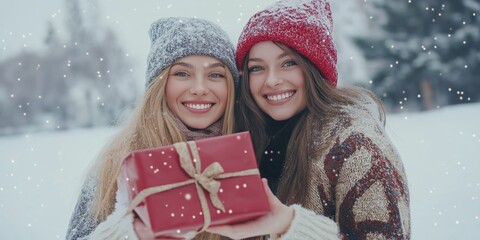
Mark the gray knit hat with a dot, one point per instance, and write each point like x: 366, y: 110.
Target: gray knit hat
x: 174, y: 38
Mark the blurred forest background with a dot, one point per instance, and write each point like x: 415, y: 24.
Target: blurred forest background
x: 416, y: 55
x: 80, y: 80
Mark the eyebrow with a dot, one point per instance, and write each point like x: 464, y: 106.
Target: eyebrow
x: 209, y: 66
x: 184, y: 64
x: 261, y: 60
x: 214, y: 65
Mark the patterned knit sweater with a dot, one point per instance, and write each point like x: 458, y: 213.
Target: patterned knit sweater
x: 360, y: 181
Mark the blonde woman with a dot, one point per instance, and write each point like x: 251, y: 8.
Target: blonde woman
x: 190, y: 81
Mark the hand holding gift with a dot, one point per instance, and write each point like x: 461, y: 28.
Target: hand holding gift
x: 276, y: 222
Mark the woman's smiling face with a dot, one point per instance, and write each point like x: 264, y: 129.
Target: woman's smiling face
x: 196, y: 90
x: 276, y: 81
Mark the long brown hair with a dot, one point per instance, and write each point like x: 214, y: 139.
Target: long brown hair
x: 324, y: 104
x: 151, y: 125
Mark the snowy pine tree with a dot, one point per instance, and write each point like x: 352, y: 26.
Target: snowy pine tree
x: 426, y: 52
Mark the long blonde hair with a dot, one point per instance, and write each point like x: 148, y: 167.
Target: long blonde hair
x: 151, y: 125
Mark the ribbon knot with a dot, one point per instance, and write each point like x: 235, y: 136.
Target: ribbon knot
x: 208, y: 182
x: 206, y: 179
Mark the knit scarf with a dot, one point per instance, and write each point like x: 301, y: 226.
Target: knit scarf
x: 193, y: 134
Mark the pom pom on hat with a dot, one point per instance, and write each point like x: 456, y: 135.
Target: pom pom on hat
x: 304, y: 25
x: 174, y: 38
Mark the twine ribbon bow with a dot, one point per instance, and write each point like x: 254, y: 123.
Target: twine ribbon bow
x: 202, y: 180
x: 206, y: 179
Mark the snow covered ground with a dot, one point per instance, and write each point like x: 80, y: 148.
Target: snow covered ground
x: 41, y: 174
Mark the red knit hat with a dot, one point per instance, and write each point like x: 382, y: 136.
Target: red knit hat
x: 304, y: 25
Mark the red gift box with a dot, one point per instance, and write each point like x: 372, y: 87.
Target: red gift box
x: 167, y: 186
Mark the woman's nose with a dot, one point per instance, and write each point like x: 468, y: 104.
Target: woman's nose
x: 199, y: 87
x: 273, y: 79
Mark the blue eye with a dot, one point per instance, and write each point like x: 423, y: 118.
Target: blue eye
x: 181, y: 74
x: 216, y: 75
x: 289, y: 63
x: 255, y: 69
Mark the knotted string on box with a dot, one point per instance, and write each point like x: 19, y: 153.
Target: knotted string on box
x: 202, y: 180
